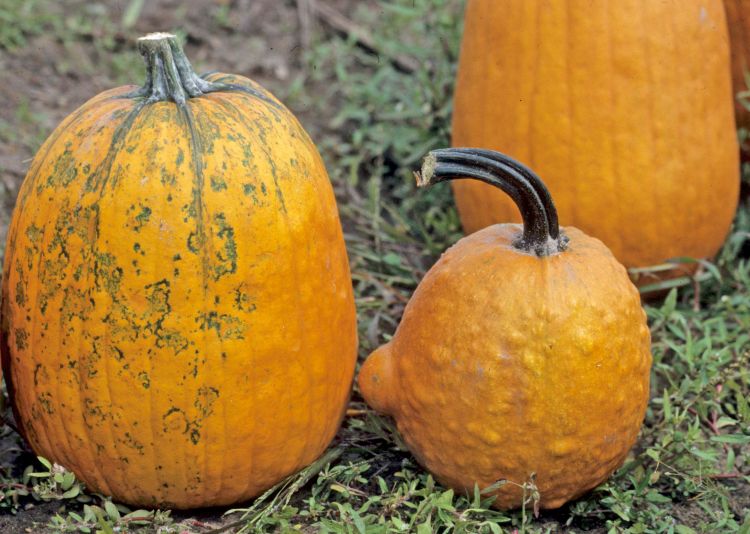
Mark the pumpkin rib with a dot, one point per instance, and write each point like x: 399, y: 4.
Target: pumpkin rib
x: 241, y: 119
x: 69, y: 122
x: 215, y: 97
x: 323, y: 198
x: 21, y: 417
x: 8, y: 266
x: 234, y: 87
x: 118, y: 140
x: 38, y: 365
x: 614, y: 176
x: 200, y: 217
x: 98, y: 470
x: 197, y: 135
x: 648, y: 61
x: 132, y: 126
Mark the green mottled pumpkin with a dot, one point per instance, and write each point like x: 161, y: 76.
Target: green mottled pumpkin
x: 178, y: 323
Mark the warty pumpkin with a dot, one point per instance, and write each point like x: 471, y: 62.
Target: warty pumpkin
x: 178, y: 322
x: 624, y: 107
x: 523, y: 356
x: 738, y: 21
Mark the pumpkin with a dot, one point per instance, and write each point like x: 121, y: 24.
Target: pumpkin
x: 738, y: 20
x: 178, y: 322
x: 521, y: 363
x: 624, y: 107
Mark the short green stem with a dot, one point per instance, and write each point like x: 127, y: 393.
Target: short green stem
x: 169, y: 75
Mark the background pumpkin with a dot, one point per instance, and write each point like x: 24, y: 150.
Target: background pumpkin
x: 738, y: 20
x: 178, y: 323
x: 624, y: 107
x: 522, y: 359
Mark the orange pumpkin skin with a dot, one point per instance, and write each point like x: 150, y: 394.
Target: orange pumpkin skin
x: 623, y: 107
x: 178, y: 322
x: 738, y: 21
x: 508, y: 366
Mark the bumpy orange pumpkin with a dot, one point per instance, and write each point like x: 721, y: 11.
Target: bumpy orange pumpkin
x: 522, y: 358
x: 178, y: 322
x: 738, y: 20
x: 624, y: 107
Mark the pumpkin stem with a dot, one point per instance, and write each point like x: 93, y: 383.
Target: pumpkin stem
x: 541, y: 230
x: 169, y: 75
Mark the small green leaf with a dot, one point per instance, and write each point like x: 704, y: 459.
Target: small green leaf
x: 735, y: 439
x: 46, y: 463
x: 111, y: 510
x: 72, y: 492
x: 393, y: 259
x: 494, y: 486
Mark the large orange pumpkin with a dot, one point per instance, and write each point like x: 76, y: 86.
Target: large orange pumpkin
x: 624, y: 107
x: 178, y: 322
x: 521, y: 363
x: 738, y: 20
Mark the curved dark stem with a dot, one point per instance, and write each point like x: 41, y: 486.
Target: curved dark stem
x: 530, y: 176
x: 541, y: 232
x: 169, y: 75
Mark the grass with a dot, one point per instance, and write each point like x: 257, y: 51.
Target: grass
x: 689, y: 471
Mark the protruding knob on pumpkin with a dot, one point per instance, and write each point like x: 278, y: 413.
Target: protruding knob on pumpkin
x: 375, y: 379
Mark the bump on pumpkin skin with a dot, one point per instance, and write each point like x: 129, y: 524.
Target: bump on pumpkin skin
x: 376, y: 380
x: 207, y: 340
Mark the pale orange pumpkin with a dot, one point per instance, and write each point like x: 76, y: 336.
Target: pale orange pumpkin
x: 624, y: 107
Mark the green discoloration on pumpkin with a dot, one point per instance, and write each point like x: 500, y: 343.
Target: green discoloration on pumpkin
x: 167, y: 178
x: 45, y: 401
x: 107, y: 274
x: 144, y: 379
x: 65, y: 169
x: 97, y: 180
x: 226, y: 326
x: 132, y: 443
x: 76, y: 303
x: 259, y: 129
x: 227, y: 255
x: 20, y: 293
x: 242, y: 301
x: 218, y: 184
x: 142, y: 218
x: 157, y: 296
x: 21, y: 339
